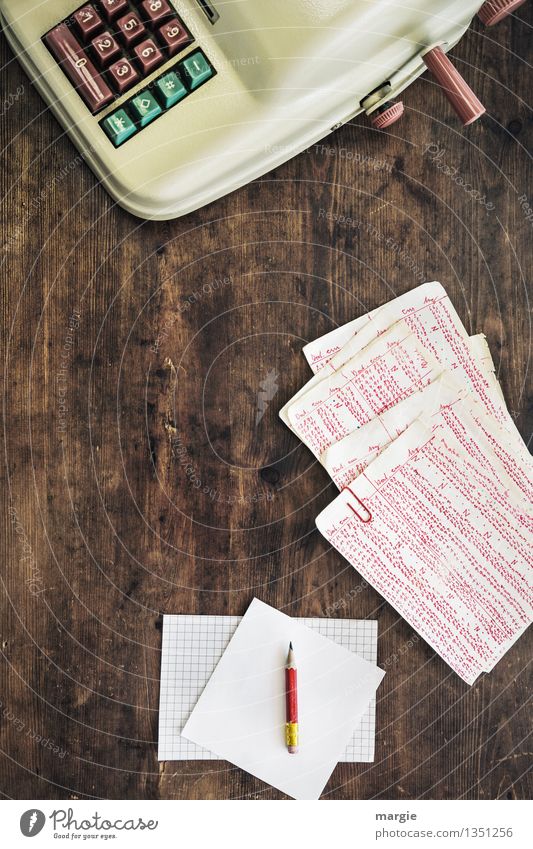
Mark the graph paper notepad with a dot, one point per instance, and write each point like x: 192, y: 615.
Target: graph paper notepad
x: 192, y: 647
x: 241, y: 714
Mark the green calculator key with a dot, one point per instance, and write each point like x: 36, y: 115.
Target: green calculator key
x: 119, y: 127
x: 145, y: 108
x: 170, y: 89
x: 196, y: 69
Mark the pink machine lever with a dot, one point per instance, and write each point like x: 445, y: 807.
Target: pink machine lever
x: 494, y: 11
x: 458, y: 92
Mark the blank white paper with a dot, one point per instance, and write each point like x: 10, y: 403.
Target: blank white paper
x: 241, y: 713
x: 191, y: 648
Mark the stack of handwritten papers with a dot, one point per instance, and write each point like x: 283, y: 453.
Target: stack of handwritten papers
x: 406, y: 414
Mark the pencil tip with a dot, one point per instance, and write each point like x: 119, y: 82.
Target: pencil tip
x: 290, y: 646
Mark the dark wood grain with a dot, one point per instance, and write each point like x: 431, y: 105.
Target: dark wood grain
x: 157, y: 491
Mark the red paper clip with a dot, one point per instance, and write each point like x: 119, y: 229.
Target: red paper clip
x: 366, y: 511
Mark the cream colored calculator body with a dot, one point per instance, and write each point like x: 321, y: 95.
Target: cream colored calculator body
x: 174, y: 104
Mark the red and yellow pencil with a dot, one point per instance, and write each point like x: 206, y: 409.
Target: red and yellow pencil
x: 291, y: 690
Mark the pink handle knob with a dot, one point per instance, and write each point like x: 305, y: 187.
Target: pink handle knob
x: 387, y: 116
x: 494, y: 11
x: 458, y: 92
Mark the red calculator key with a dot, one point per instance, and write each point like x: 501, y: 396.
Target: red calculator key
x: 88, y: 21
x: 174, y: 36
x: 148, y: 55
x: 113, y: 8
x: 81, y: 72
x: 156, y: 11
x: 123, y: 75
x: 131, y: 29
x: 105, y: 49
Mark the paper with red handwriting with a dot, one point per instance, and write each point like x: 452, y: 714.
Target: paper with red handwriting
x: 428, y: 313
x: 439, y: 329
x: 320, y: 351
x: 387, y: 370
x: 449, y: 542
x: 479, y: 350
x: 347, y: 458
x: 489, y: 444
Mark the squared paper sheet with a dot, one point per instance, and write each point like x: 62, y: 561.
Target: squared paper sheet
x: 241, y: 712
x: 192, y: 647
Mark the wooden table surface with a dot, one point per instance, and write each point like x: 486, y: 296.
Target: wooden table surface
x: 140, y: 478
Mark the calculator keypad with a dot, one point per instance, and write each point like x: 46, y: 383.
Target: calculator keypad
x: 196, y: 70
x: 107, y: 47
x: 119, y: 127
x: 169, y: 89
x: 145, y: 108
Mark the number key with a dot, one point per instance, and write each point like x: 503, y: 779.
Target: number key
x: 88, y: 21
x: 113, y: 8
x: 79, y: 69
x: 174, y: 36
x: 105, y: 49
x: 123, y: 75
x: 131, y: 29
x: 156, y: 11
x: 148, y: 55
